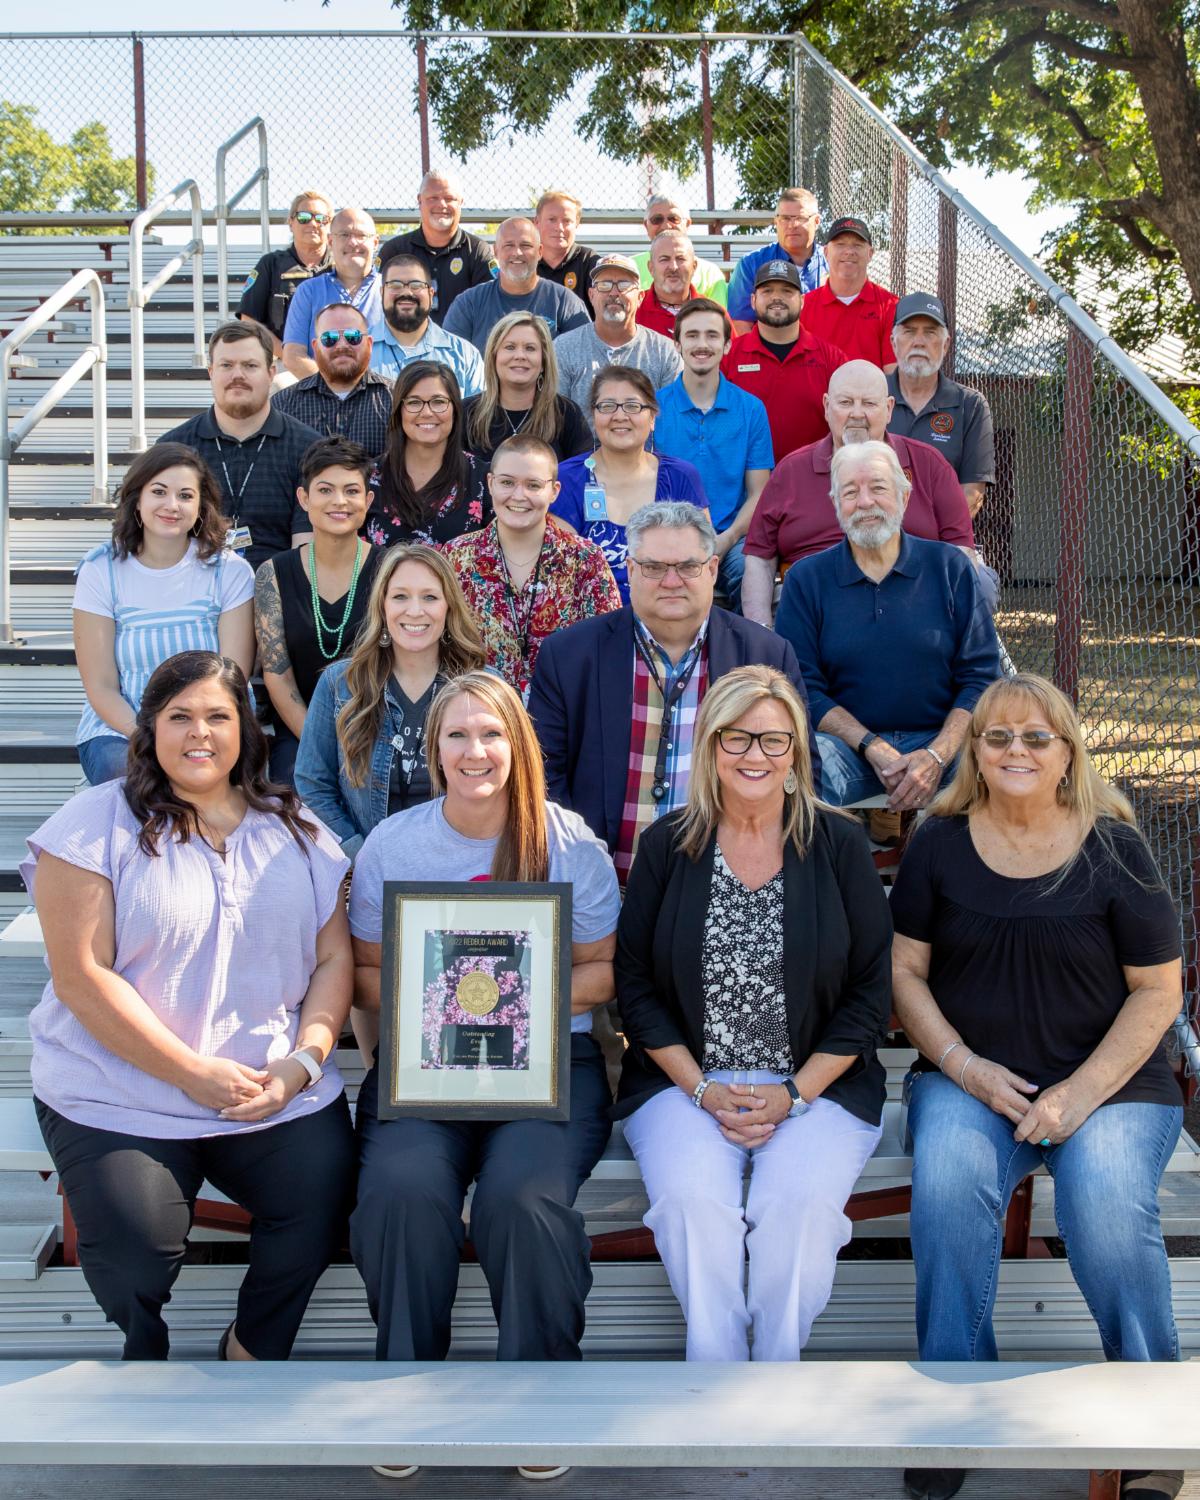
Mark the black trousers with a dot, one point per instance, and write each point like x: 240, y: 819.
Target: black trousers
x: 133, y: 1198
x: 406, y: 1233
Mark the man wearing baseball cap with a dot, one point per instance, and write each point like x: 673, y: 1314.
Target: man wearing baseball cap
x: 931, y: 407
x: 850, y: 311
x: 781, y: 362
x: 615, y: 338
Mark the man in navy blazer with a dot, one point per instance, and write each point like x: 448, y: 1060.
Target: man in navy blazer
x: 582, y: 694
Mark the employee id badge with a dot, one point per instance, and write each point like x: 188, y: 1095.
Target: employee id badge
x: 595, y: 503
x: 238, y: 538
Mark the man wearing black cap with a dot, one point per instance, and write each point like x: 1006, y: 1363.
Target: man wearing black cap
x: 852, y: 313
x: 950, y: 417
x: 782, y: 363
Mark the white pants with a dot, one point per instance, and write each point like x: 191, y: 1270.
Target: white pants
x: 792, y: 1226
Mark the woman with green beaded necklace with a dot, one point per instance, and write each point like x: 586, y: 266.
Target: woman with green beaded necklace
x: 309, y: 601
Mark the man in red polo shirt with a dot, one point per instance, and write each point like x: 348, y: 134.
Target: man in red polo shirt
x: 795, y: 516
x: 672, y: 268
x: 780, y: 362
x: 850, y: 312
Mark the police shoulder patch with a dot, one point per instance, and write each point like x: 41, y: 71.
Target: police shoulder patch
x: 250, y: 280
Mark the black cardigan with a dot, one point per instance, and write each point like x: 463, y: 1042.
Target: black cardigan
x: 837, y: 941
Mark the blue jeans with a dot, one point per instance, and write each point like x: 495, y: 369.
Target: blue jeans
x: 1106, y: 1177
x: 847, y: 777
x: 103, y: 757
x: 730, y: 572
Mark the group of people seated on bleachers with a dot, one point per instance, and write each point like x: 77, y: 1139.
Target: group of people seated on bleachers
x: 491, y: 647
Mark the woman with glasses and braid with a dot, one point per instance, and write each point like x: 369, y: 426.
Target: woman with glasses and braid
x: 753, y: 978
x: 1036, y: 968
x: 601, y: 490
x: 425, y: 487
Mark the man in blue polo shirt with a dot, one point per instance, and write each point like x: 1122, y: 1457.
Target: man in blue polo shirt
x: 352, y: 278
x: 721, y: 429
x: 796, y: 219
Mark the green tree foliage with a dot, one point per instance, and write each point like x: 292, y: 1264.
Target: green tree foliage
x: 1096, y: 100
x: 81, y: 175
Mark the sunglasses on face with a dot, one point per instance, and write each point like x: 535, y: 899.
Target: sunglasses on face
x: 328, y: 337
x: 772, y: 742
x: 304, y: 217
x: 674, y: 219
x: 1032, y: 739
x: 624, y: 287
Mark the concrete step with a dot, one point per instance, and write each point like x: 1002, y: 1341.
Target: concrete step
x: 56, y: 541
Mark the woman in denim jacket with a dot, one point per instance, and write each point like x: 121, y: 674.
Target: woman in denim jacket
x: 362, y: 753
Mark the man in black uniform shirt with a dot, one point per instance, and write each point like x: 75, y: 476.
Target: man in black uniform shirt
x: 570, y: 264
x: 270, y: 285
x: 454, y: 259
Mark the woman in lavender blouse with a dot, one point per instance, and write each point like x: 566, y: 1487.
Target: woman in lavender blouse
x: 200, y: 974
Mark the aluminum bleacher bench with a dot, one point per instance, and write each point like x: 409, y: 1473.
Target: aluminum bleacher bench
x: 1100, y: 1417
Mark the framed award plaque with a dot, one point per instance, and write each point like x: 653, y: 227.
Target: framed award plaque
x: 475, y: 1001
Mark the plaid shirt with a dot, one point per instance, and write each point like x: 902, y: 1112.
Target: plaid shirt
x: 362, y: 416
x: 641, y: 808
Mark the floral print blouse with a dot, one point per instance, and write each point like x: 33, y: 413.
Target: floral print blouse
x: 462, y: 509
x: 570, y: 582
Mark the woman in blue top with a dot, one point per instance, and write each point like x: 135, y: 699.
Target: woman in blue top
x: 165, y: 583
x: 601, y: 490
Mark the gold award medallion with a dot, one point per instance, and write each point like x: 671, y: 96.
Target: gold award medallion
x: 477, y: 993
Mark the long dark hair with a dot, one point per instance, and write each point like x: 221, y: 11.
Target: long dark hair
x: 147, y: 788
x: 210, y: 528
x: 413, y: 507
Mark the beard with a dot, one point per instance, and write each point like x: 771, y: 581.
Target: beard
x: 342, y: 371
x: 238, y: 404
x: 918, y: 367
x: 777, y: 316
x: 404, y: 319
x: 855, y: 435
x: 872, y: 529
x: 520, y: 273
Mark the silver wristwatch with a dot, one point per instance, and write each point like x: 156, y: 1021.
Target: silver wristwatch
x: 800, y: 1105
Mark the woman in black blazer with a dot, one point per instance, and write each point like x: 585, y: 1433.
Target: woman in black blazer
x: 753, y: 957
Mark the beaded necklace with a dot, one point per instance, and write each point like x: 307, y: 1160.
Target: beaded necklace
x: 318, y: 618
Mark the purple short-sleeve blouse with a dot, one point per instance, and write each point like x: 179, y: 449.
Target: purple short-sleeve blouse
x: 221, y: 950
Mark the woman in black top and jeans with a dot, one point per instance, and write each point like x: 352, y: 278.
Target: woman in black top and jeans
x: 1036, y: 967
x: 309, y: 601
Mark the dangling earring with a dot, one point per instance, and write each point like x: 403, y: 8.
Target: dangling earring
x: 137, y: 520
x: 789, y: 782
x: 385, y: 639
x: 541, y: 381
x: 196, y: 529
x: 978, y: 778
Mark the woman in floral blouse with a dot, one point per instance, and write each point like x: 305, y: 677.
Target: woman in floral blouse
x: 525, y: 576
x: 424, y: 488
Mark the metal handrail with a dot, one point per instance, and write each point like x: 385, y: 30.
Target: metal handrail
x: 93, y: 358
x: 139, y: 295
x: 225, y: 205
x: 1106, y: 346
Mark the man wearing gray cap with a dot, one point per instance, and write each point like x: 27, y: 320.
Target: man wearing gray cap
x: 615, y: 338
x: 950, y: 417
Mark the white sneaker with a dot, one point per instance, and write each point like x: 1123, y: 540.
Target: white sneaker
x: 535, y: 1473
x: 396, y: 1471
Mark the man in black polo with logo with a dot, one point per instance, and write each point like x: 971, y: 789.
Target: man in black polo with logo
x: 270, y: 285
x: 253, y: 450
x: 564, y: 259
x: 454, y: 259
x: 931, y: 407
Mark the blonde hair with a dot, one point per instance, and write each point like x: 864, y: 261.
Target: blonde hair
x: 729, y: 698
x: 370, y: 663
x: 523, y: 852
x: 1084, y: 791
x: 543, y: 420
x: 558, y: 195
x: 314, y: 196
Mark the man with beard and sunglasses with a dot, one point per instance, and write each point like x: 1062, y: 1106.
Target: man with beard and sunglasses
x: 345, y: 398
x: 253, y: 449
x: 409, y: 332
x: 786, y: 367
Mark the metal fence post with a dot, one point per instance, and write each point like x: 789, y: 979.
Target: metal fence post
x: 139, y: 119
x: 423, y: 101
x: 1076, y: 456
x: 947, y: 269
x: 706, y: 113
x: 795, y: 70
x: 898, y: 253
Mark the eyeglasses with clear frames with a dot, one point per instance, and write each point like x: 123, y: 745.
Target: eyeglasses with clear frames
x: 504, y: 485
x: 625, y: 288
x: 772, y: 742
x: 790, y: 221
x: 631, y: 408
x: 1032, y: 739
x: 414, y: 286
x: 438, y: 405
x: 656, y: 571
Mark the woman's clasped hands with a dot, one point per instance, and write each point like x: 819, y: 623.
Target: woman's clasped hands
x: 747, y: 1113
x: 239, y: 1092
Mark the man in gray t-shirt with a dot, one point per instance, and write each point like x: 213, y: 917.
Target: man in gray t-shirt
x: 615, y: 338
x: 517, y: 288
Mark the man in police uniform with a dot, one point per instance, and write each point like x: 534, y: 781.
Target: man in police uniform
x: 270, y: 285
x: 564, y: 260
x: 454, y: 259
x: 950, y: 417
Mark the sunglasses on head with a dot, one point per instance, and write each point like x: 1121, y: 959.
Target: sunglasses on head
x: 328, y: 337
x: 304, y: 217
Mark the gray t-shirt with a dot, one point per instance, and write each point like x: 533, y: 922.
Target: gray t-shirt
x: 474, y: 313
x: 419, y: 844
x: 582, y: 352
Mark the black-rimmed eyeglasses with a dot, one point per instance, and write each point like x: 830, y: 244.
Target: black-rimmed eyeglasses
x: 772, y: 742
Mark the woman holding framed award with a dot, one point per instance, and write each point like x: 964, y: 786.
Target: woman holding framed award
x: 491, y: 822
x: 200, y: 974
x: 753, y: 972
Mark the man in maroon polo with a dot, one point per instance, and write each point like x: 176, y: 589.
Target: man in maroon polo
x: 795, y: 516
x: 850, y: 311
x: 782, y: 364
